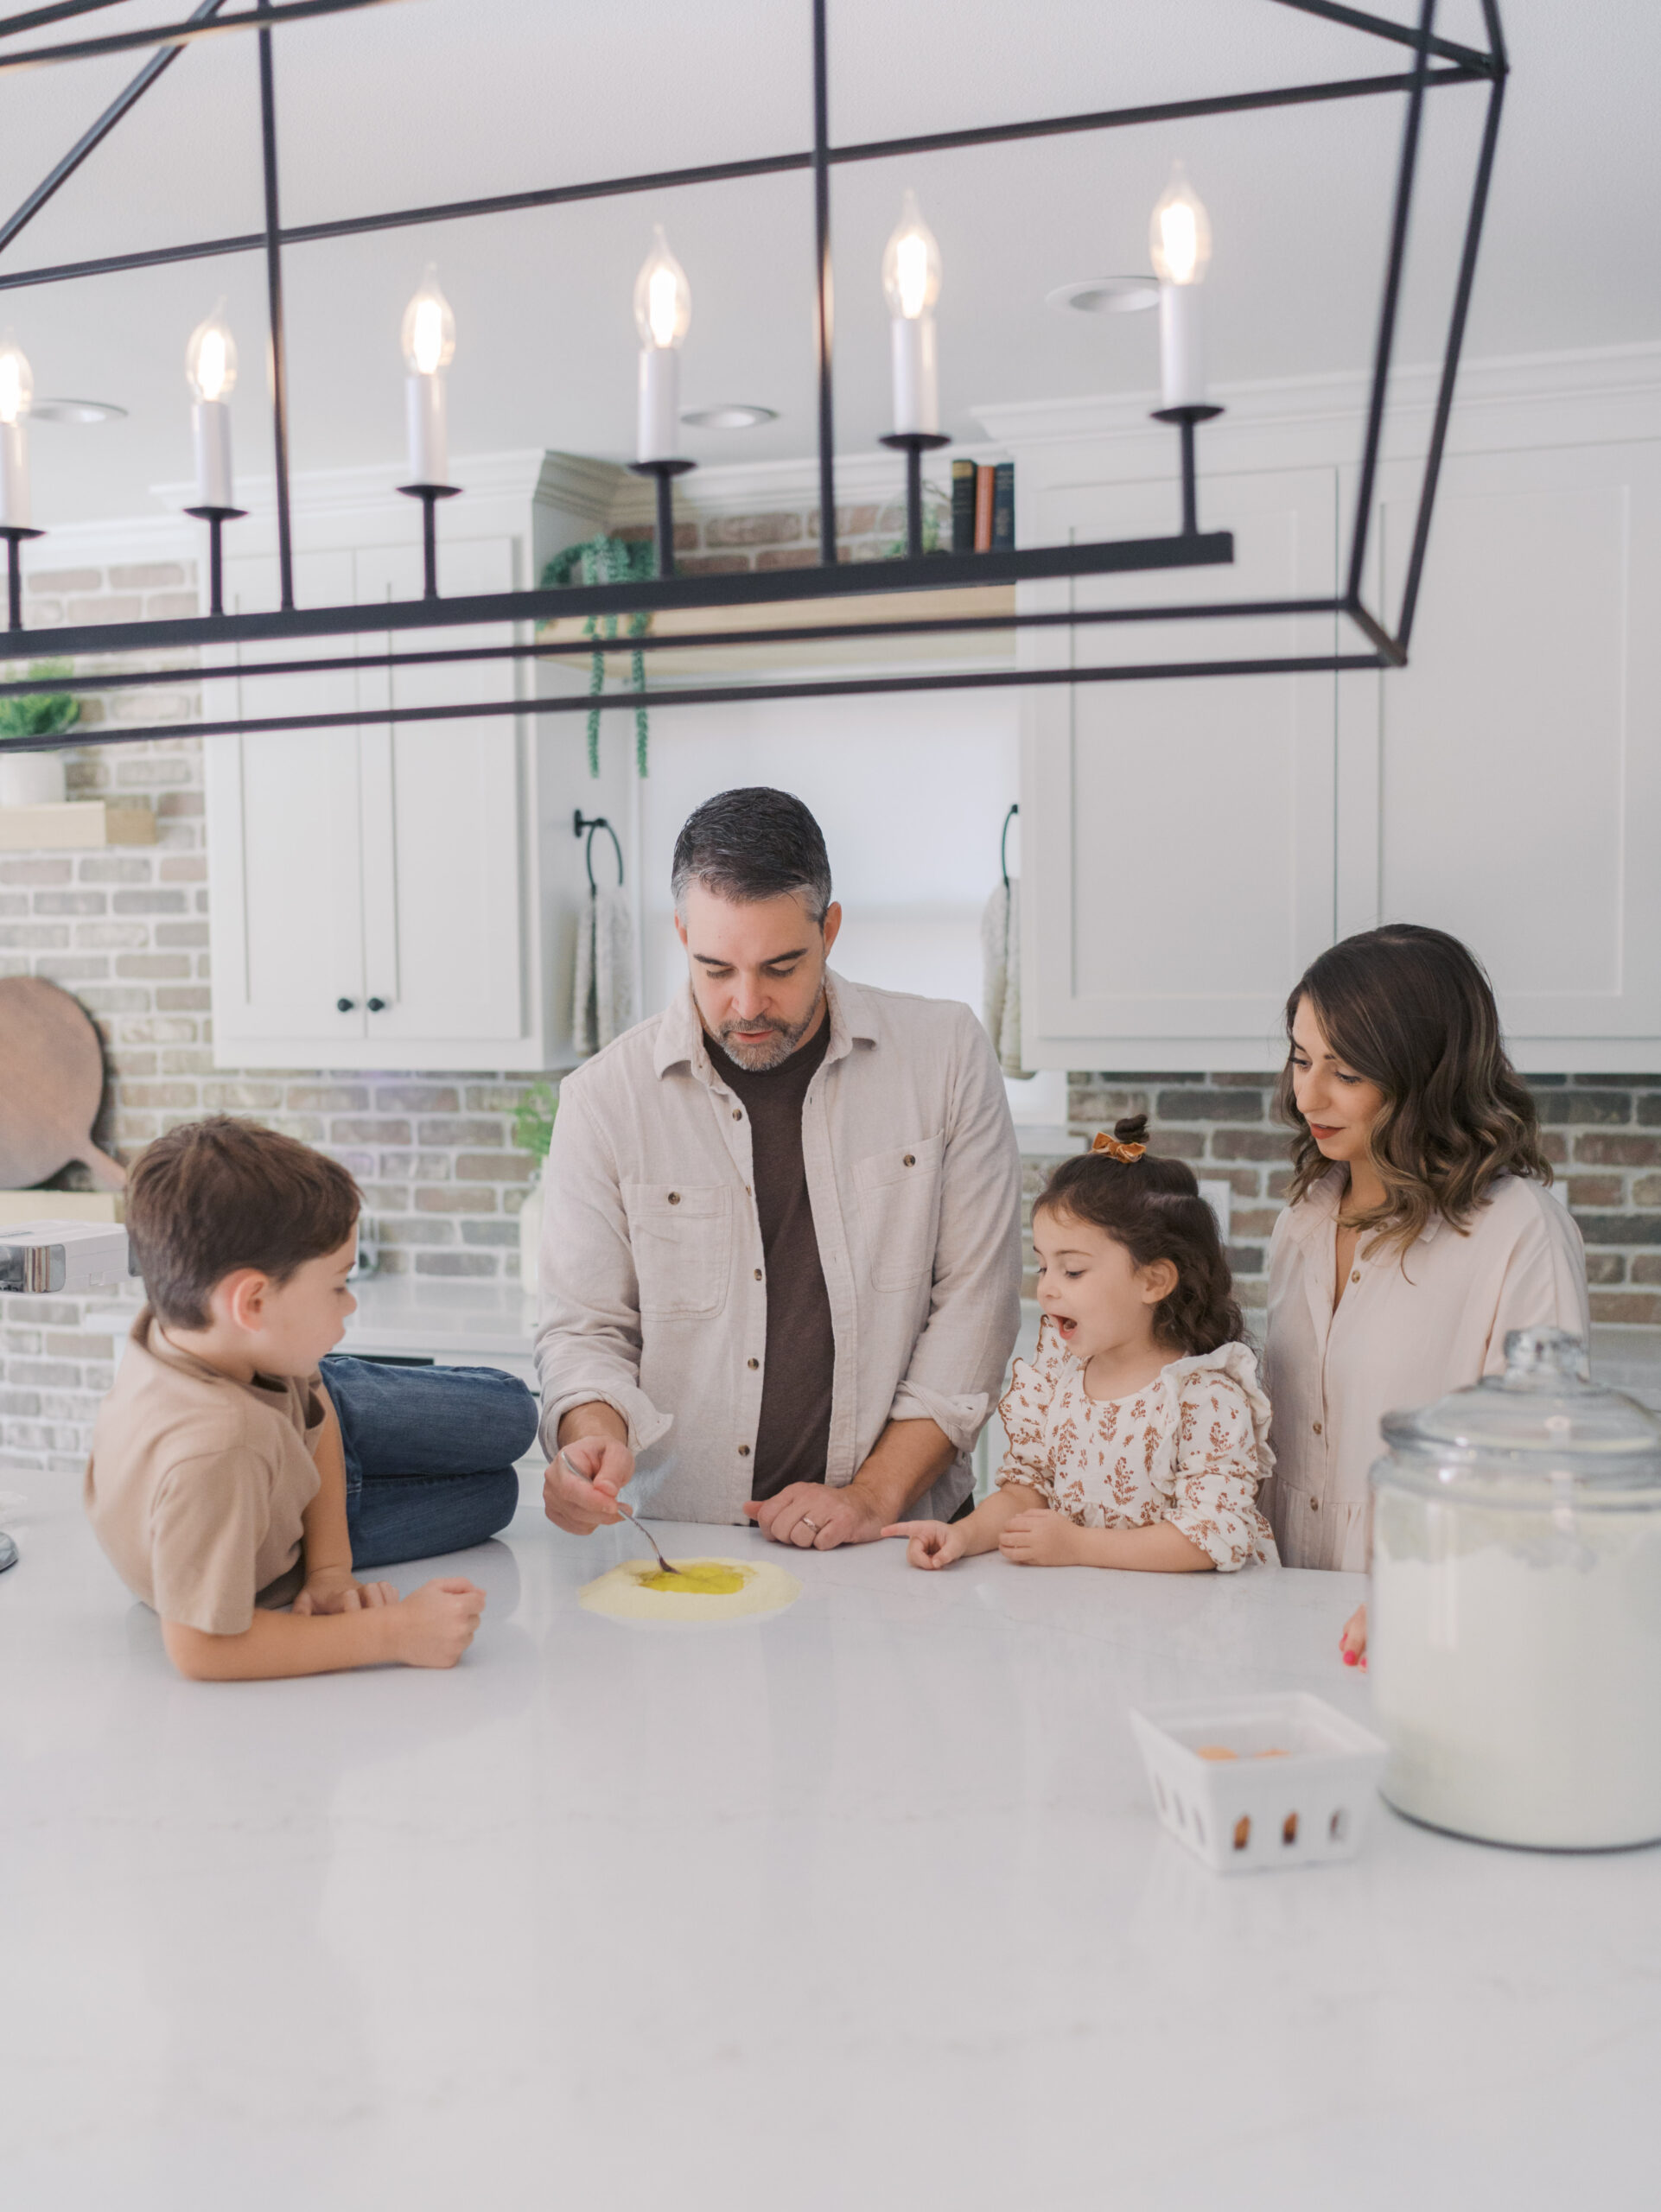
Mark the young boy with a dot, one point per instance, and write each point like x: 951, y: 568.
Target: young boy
x: 224, y: 1483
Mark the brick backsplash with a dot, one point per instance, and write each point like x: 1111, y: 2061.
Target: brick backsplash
x: 126, y: 931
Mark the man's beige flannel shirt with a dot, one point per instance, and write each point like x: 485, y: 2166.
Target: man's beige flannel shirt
x: 653, y: 1280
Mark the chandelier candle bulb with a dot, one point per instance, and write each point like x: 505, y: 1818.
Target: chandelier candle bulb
x: 662, y: 314
x: 17, y: 390
x: 211, y: 373
x: 1182, y: 250
x: 911, y: 282
x: 429, y: 341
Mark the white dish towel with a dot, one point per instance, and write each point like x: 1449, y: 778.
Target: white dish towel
x: 603, y: 987
x: 1001, y: 973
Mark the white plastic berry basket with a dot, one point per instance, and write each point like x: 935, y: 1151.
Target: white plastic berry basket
x: 1297, y: 1791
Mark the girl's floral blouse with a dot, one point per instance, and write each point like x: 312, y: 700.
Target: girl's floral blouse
x: 1192, y: 1448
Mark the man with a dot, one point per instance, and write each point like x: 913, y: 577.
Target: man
x: 780, y: 1257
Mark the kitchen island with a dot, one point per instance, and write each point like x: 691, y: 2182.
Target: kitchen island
x: 861, y: 1903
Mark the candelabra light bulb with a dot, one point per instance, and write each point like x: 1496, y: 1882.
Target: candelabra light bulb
x: 211, y: 356
x: 1180, y: 233
x: 428, y: 332
x: 663, y: 298
x: 911, y: 265
x: 16, y: 382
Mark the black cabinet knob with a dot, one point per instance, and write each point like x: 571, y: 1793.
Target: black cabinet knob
x: 377, y: 1006
x: 344, y: 1006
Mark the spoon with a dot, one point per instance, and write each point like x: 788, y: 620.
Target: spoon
x: 628, y: 1513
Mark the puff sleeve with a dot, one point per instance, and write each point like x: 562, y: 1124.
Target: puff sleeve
x: 1024, y: 1409
x: 1216, y: 1470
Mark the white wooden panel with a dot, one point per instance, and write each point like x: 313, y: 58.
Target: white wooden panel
x: 1180, y: 832
x: 282, y: 841
x: 443, y: 875
x: 1520, y: 799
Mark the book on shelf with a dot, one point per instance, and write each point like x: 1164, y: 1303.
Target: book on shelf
x: 1003, y: 507
x: 984, y: 508
x: 963, y: 506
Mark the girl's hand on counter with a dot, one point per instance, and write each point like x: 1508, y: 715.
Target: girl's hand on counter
x: 1353, y: 1642
x: 1040, y: 1539
x: 930, y: 1543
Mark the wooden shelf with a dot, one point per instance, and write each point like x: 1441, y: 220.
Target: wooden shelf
x: 977, y: 647
x: 74, y: 825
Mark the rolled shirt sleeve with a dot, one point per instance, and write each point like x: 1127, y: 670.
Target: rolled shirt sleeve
x: 588, y: 1337
x: 957, y: 1363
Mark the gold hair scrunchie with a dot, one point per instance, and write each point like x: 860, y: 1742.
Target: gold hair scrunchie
x: 1126, y: 1154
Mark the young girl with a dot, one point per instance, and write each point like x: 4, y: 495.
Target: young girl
x: 1138, y: 1437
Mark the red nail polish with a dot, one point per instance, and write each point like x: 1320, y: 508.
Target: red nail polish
x: 1350, y: 1659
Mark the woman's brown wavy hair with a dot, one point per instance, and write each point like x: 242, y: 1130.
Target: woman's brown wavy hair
x: 1153, y: 1207
x: 1411, y: 1010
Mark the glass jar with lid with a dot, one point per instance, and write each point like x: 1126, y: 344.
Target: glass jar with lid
x: 1515, y: 1628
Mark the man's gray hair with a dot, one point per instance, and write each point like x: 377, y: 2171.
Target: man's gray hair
x: 752, y: 844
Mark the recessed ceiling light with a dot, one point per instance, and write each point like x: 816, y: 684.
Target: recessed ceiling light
x: 77, y: 411
x: 1105, y: 296
x: 732, y: 414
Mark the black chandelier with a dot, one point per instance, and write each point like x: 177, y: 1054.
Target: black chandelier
x: 1432, y: 62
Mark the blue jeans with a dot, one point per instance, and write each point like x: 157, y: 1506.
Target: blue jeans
x: 429, y: 1454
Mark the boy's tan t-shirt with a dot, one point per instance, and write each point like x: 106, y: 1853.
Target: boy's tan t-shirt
x: 197, y: 1483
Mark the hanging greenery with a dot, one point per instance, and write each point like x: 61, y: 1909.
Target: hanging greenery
x: 605, y: 561
x: 40, y: 714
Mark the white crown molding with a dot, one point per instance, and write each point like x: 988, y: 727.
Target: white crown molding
x: 1601, y: 375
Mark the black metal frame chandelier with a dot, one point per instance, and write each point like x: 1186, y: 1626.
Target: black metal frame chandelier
x: 1431, y: 63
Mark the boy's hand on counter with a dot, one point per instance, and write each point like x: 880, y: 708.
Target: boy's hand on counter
x: 434, y: 1625
x: 580, y: 1486
x: 1040, y: 1539
x: 331, y: 1590
x: 930, y: 1543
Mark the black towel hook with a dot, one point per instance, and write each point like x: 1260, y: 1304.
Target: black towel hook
x: 1003, y: 844
x: 580, y: 821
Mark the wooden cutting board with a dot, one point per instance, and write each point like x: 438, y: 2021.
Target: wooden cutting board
x: 51, y: 1082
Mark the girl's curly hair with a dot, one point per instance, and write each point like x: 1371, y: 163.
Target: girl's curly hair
x: 1409, y: 1009
x: 1153, y: 1207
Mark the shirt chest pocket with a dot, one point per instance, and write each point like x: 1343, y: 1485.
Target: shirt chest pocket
x: 900, y: 1206
x: 681, y: 1236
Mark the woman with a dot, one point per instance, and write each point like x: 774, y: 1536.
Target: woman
x: 1420, y: 1229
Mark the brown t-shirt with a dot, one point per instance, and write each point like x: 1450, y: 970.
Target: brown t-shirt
x: 197, y: 1483
x: 794, y: 1435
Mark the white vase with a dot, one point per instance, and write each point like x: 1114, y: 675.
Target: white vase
x: 31, y: 779
x: 530, y: 1236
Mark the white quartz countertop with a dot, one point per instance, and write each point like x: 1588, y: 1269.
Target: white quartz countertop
x: 860, y: 1904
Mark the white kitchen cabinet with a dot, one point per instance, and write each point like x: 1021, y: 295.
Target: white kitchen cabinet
x: 1191, y: 844
x: 402, y: 895
x: 1518, y: 799
x: 1178, y: 834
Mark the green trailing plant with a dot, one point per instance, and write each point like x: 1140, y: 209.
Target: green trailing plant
x: 533, y: 1121
x: 40, y: 714
x: 607, y: 560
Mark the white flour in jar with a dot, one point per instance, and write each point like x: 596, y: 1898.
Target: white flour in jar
x: 1516, y: 1672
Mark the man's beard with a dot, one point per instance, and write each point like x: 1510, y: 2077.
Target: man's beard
x: 759, y: 1059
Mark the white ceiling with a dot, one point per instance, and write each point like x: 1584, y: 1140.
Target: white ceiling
x: 429, y: 100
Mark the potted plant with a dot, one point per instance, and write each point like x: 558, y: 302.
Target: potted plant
x: 35, y: 779
x: 534, y: 1132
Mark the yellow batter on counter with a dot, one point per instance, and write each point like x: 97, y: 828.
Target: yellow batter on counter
x: 705, y: 1590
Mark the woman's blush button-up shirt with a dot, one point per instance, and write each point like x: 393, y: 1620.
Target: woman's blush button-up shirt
x: 1411, y: 1326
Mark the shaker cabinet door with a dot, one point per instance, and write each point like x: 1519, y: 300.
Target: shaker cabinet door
x: 283, y: 840
x: 1179, y: 832
x: 1519, y: 752
x: 443, y: 870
